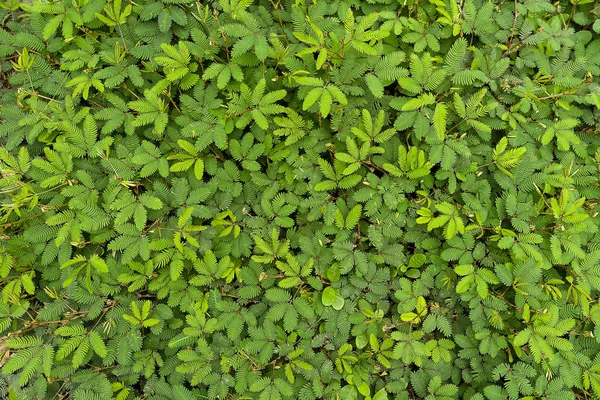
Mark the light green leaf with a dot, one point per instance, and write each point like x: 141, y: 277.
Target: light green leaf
x: 328, y: 296
x: 98, y: 263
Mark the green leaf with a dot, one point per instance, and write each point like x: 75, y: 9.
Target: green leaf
x: 375, y: 85
x: 328, y: 296
x: 182, y: 165
x: 311, y: 98
x: 199, y: 169
x: 522, y: 338
x: 353, y: 217
x: 338, y: 303
x: 150, y: 322
x: 463, y: 270
x: 440, y: 116
x: 98, y: 263
x: 465, y: 283
x: 325, y: 103
x: 151, y: 202
x: 364, y: 389
x: 75, y: 260
x: 98, y: 344
x: 381, y: 395
x: 348, y: 392
x: 187, y: 147
x: 422, y: 100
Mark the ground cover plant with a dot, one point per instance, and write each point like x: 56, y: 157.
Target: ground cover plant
x: 309, y: 199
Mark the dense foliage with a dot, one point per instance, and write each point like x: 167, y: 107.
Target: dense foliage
x: 351, y: 199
